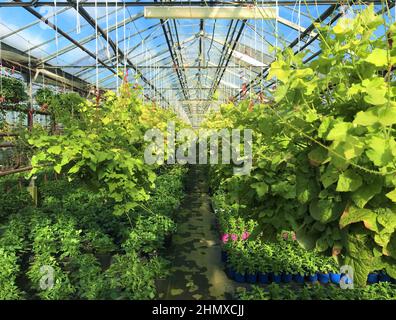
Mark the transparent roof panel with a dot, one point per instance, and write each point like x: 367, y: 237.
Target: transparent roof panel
x: 183, y: 59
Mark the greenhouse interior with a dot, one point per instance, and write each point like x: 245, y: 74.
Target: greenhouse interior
x: 197, y: 150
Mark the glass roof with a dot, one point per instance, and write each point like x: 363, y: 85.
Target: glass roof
x: 177, y: 62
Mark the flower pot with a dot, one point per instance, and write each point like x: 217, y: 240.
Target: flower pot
x: 287, y: 277
x: 277, y: 278
x: 335, y: 277
x: 224, y: 256
x: 372, y: 278
x: 383, y: 277
x: 312, y: 277
x: 230, y: 273
x: 239, y: 277
x: 263, y: 278
x: 298, y: 278
x: 251, y: 278
x: 323, y: 278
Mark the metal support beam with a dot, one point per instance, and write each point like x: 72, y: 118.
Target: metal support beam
x: 301, y: 36
x: 195, y: 12
x: 109, y: 3
x: 116, y: 49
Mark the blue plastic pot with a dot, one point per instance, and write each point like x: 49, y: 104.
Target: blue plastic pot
x: 372, y: 278
x: 299, y: 278
x: 230, y: 273
x: 312, y: 277
x: 277, y: 278
x: 286, y: 277
x: 263, y: 278
x: 383, y: 277
x: 251, y: 278
x: 239, y: 277
x: 224, y: 256
x: 323, y: 278
x: 335, y: 277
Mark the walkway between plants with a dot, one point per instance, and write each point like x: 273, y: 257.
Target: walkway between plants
x: 195, y: 253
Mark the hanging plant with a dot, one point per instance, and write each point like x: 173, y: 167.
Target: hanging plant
x: 44, y: 98
x: 12, y: 90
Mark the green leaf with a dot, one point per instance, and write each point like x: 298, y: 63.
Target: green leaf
x: 392, y: 195
x: 366, y: 192
x: 318, y: 155
x: 322, y: 210
x: 260, y: 187
x: 348, y: 181
x: 354, y: 214
x: 378, y: 57
x: 55, y: 149
x: 58, y: 168
x: 366, y: 118
x: 380, y: 150
x: 329, y: 177
x: 339, y: 131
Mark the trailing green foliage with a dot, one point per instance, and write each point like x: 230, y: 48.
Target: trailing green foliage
x: 104, y: 147
x: 12, y: 90
x: 324, y: 150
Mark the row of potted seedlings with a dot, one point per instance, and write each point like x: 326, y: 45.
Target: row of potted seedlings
x: 284, y: 261
x: 257, y: 261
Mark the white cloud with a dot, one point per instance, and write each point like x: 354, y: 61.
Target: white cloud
x: 22, y: 40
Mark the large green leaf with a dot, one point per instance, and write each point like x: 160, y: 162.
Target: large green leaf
x: 318, y: 155
x: 324, y: 210
x: 260, y: 187
x: 366, y: 192
x: 378, y: 57
x: 360, y: 257
x: 329, y: 176
x: 349, y: 181
x: 354, y: 214
x: 380, y: 150
x: 392, y: 195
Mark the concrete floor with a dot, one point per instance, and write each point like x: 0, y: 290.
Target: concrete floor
x: 195, y: 254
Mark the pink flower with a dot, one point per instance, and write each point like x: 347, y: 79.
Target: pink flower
x: 234, y: 237
x: 285, y: 235
x: 294, y: 237
x: 224, y: 238
x: 245, y: 235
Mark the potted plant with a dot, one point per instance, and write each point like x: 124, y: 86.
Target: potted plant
x: 44, y: 97
x: 325, y: 267
x: 237, y: 263
x: 298, y: 269
x: 312, y: 268
x: 276, y: 263
x: 251, y: 261
x: 264, y: 258
x: 12, y: 90
x: 287, y: 274
x: 334, y: 271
